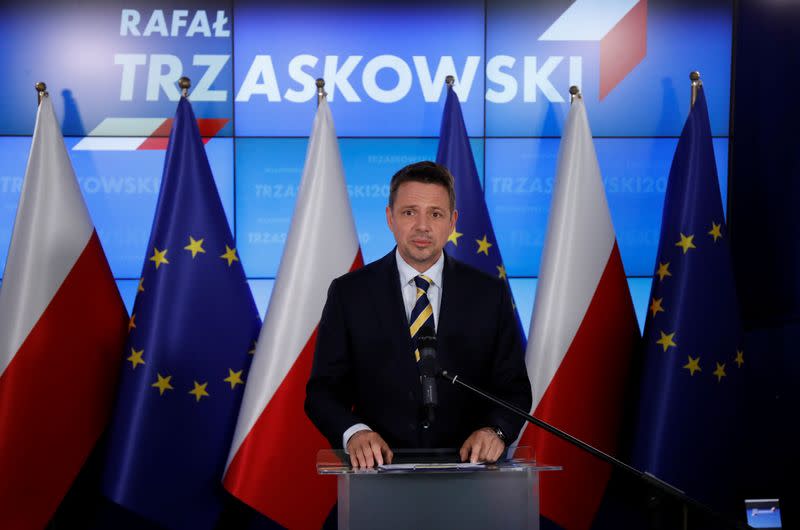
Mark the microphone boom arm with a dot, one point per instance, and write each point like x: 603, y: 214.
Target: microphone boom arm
x: 650, y: 479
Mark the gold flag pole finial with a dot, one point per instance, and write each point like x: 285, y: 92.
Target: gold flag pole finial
x: 320, y: 90
x: 185, y: 83
x: 449, y: 81
x: 574, y: 92
x: 41, y: 91
x: 694, y: 77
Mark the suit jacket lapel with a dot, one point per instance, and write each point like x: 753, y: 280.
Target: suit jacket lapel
x: 453, y: 301
x: 392, y: 313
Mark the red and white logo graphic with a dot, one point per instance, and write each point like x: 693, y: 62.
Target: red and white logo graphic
x: 141, y: 134
x: 619, y: 25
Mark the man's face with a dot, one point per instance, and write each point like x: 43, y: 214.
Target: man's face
x: 421, y: 222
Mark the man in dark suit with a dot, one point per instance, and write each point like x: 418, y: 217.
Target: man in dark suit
x: 364, y: 393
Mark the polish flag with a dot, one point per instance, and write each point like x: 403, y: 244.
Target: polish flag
x: 62, y: 329
x: 271, y: 465
x: 583, y: 332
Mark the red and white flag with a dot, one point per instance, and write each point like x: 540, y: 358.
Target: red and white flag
x: 62, y: 329
x: 271, y: 462
x: 583, y: 332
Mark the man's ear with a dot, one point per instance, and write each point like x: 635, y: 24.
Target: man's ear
x: 389, y: 218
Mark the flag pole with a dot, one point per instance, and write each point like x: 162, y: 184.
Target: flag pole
x: 574, y: 92
x: 449, y: 81
x: 694, y: 77
x: 41, y: 91
x: 185, y: 83
x: 320, y: 90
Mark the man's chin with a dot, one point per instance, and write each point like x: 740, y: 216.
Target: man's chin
x: 425, y: 256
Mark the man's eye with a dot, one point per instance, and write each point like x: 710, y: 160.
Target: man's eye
x: 408, y: 212
x: 437, y: 214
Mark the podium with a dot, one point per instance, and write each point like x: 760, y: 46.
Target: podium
x: 431, y: 489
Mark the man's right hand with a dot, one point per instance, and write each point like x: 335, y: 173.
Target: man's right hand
x: 367, y: 449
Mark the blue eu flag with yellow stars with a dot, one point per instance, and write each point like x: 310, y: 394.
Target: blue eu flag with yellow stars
x: 693, y: 366
x: 472, y: 242
x: 191, y: 333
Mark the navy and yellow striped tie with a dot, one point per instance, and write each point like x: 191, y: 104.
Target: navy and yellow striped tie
x: 422, y: 314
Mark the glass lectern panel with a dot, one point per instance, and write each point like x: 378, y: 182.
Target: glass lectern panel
x: 432, y: 488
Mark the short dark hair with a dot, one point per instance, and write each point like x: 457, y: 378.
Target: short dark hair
x: 426, y: 172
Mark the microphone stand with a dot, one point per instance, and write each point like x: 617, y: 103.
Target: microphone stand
x: 653, y: 481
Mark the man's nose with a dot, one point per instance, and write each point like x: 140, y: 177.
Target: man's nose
x: 422, y: 223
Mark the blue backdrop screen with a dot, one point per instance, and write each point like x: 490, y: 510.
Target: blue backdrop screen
x: 112, y: 72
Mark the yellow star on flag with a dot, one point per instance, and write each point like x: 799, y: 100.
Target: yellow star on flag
x: 141, y: 285
x: 162, y: 384
x: 159, y: 257
x: 135, y: 358
x: 501, y: 271
x: 454, y: 235
x: 234, y: 378
x: 483, y: 245
x: 666, y: 340
x: 132, y: 322
x: 199, y: 390
x: 655, y: 306
x: 715, y: 231
x: 663, y: 270
x: 693, y: 365
x: 739, y: 358
x: 720, y: 372
x: 685, y: 243
x: 195, y: 246
x: 230, y: 255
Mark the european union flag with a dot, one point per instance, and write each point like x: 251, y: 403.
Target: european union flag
x: 473, y: 240
x: 193, y: 327
x: 693, y: 368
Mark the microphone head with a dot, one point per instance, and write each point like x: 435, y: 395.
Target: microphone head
x: 426, y: 342
x: 428, y: 370
x: 426, y: 339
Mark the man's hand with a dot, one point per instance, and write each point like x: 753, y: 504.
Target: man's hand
x: 367, y: 449
x: 482, y: 445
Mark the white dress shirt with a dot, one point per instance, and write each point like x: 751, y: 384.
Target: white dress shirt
x: 407, y: 274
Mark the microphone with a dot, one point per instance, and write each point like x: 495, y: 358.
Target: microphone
x: 429, y: 368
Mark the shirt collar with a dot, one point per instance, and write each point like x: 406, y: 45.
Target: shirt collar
x: 408, y: 273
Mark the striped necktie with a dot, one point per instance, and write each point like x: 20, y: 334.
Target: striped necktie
x: 422, y: 314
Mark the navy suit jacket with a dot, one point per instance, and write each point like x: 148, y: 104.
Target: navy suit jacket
x: 364, y: 368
